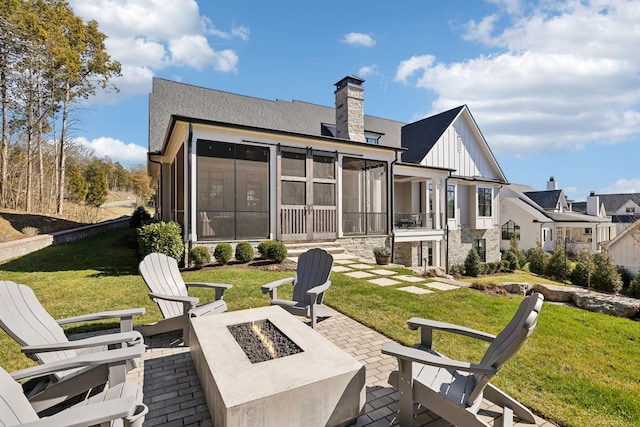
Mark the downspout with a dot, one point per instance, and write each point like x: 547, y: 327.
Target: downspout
x: 188, y: 207
x: 446, y: 223
x: 158, y: 210
x: 390, y: 203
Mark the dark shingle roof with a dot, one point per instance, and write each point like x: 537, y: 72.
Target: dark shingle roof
x: 545, y: 199
x: 419, y: 137
x: 170, y: 98
x: 613, y: 202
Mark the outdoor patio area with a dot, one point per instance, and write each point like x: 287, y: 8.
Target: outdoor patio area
x: 175, y: 398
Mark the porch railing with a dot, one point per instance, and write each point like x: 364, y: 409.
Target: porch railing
x: 413, y: 220
x: 363, y: 223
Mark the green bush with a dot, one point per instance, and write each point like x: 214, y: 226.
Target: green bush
x: 472, y: 263
x: 139, y: 217
x: 605, y: 277
x: 556, y: 268
x: 504, y: 265
x: 200, y: 256
x: 537, y: 259
x: 634, y: 287
x: 626, y: 277
x: 223, y: 252
x: 162, y: 237
x: 512, y: 257
x: 277, y: 251
x: 263, y: 248
x: 514, y: 246
x: 244, y: 252
x: 579, y: 276
x: 456, y: 270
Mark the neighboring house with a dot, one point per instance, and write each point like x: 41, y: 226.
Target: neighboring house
x: 230, y: 168
x: 624, y: 249
x: 624, y: 209
x: 546, y: 217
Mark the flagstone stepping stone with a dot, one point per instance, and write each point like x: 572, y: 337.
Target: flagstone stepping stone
x: 415, y: 290
x: 381, y: 272
x: 359, y: 274
x: 384, y: 281
x: 406, y: 278
x: 441, y: 286
x: 344, y: 261
x: 340, y: 269
x: 361, y: 266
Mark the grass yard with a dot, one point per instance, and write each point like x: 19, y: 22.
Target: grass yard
x: 577, y: 369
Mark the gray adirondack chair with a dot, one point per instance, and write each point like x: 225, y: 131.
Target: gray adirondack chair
x: 170, y: 292
x: 43, y: 340
x: 309, y: 285
x: 454, y: 389
x: 119, y: 405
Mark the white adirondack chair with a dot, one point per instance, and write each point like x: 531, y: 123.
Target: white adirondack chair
x: 170, y: 292
x: 454, y: 389
x: 43, y: 340
x: 309, y: 285
x: 120, y: 405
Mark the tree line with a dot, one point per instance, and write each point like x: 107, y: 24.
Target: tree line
x: 51, y: 61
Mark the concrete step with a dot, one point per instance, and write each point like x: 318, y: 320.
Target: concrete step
x: 295, y: 249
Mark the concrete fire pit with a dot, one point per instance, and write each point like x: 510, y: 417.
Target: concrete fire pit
x: 318, y: 386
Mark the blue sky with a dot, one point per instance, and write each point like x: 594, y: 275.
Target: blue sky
x: 553, y: 85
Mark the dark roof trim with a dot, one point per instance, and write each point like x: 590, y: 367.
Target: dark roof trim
x: 178, y: 118
x: 479, y: 179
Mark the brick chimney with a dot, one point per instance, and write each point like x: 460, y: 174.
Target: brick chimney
x: 350, y: 109
x: 552, y: 184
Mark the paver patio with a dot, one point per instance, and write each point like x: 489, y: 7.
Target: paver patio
x: 172, y: 389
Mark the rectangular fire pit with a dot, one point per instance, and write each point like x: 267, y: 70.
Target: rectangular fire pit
x: 316, y: 385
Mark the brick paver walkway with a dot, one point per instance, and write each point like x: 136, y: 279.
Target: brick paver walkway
x: 172, y: 389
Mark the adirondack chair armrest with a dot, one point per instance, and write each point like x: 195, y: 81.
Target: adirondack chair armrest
x: 272, y: 287
x: 96, y: 413
x: 193, y: 301
x: 411, y: 354
x: 219, y: 287
x: 130, y: 338
x: 125, y: 317
x: 314, y: 292
x: 428, y: 326
x: 108, y: 357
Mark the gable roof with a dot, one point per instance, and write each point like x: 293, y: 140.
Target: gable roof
x: 419, y: 137
x: 613, y: 202
x: 548, y: 199
x: 172, y: 99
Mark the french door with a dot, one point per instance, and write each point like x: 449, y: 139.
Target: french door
x: 307, y: 195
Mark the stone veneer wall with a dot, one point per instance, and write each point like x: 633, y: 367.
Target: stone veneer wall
x: 461, y: 241
x: 406, y: 253
x: 362, y: 246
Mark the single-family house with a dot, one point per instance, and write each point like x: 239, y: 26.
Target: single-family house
x: 624, y: 249
x: 623, y: 208
x: 230, y: 167
x: 545, y: 218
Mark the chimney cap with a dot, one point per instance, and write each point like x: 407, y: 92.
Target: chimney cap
x: 593, y: 193
x: 350, y: 79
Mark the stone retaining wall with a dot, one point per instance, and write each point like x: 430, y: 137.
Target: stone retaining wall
x: 16, y: 248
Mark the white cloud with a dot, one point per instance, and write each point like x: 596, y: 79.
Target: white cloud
x: 149, y: 35
x: 566, y: 74
x: 368, y: 70
x: 622, y: 185
x: 358, y: 39
x: 115, y: 149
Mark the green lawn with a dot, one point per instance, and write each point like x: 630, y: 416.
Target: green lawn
x: 577, y: 369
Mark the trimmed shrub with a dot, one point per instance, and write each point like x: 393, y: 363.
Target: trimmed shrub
x: 456, y: 270
x: 537, y: 260
x: 139, y: 217
x: 579, y: 275
x: 277, y: 251
x: 634, y: 287
x: 504, y: 265
x: 512, y: 257
x: 514, y: 246
x: 605, y: 277
x: 556, y: 265
x: 244, y: 252
x: 625, y: 275
x: 472, y: 263
x: 263, y: 248
x: 199, y: 256
x: 162, y: 237
x: 223, y: 252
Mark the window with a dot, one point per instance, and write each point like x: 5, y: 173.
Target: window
x: 510, y: 229
x: 631, y: 209
x: 364, y: 196
x: 484, y: 201
x: 587, y: 231
x: 430, y: 197
x: 480, y: 245
x: 371, y: 140
x: 232, y: 191
x: 451, y: 201
x: 547, y: 234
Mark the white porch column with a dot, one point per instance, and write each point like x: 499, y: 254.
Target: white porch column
x: 437, y: 248
x: 437, y: 191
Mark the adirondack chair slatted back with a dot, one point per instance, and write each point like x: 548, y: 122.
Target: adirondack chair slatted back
x: 509, y: 341
x: 314, y: 268
x: 162, y: 275
x: 26, y: 321
x: 14, y: 406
